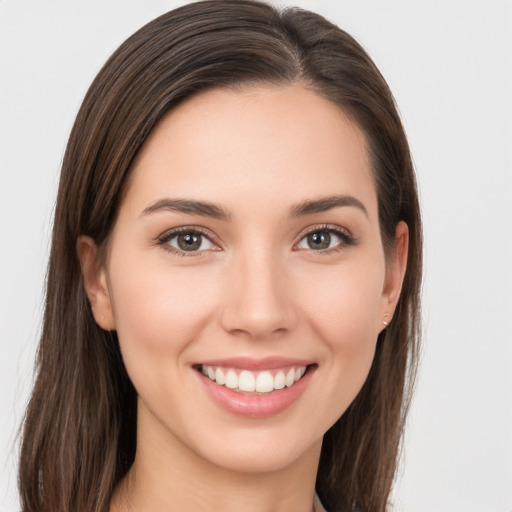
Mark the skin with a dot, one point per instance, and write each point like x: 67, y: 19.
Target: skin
x: 257, y: 290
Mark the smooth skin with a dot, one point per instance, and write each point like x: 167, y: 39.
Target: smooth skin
x: 256, y: 283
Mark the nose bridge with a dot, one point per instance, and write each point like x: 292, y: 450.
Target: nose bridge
x: 258, y: 301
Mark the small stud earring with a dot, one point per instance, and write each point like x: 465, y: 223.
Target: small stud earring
x: 384, y: 321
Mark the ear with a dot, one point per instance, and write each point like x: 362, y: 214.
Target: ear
x: 96, y: 283
x: 395, y: 272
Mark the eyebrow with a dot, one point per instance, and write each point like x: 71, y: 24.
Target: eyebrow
x: 207, y: 209
x: 188, y: 206
x: 324, y: 204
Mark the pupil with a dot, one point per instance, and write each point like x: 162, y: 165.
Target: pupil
x: 319, y: 240
x: 189, y: 242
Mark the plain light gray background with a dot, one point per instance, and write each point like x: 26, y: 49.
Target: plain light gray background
x: 449, y: 65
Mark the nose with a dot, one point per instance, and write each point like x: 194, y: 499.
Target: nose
x: 258, y: 298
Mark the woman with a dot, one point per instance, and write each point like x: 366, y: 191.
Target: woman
x: 232, y: 306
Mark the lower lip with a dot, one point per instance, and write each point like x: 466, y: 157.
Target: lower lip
x: 255, y: 406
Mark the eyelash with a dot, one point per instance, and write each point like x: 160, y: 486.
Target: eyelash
x: 164, y: 239
x: 347, y: 239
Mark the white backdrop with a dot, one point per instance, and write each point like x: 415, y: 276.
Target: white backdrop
x: 449, y: 65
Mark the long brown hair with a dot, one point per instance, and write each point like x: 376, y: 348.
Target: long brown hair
x: 80, y: 426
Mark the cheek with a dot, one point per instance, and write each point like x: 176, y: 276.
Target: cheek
x: 343, y: 316
x: 344, y: 304
x: 159, y: 310
x: 346, y: 327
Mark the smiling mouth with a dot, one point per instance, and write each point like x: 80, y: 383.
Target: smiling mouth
x: 254, y: 382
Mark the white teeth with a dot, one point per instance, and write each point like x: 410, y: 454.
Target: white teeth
x: 290, y: 378
x: 249, y: 382
x: 246, y: 381
x: 264, y: 382
x: 219, y: 376
x: 279, y: 380
x: 231, y: 380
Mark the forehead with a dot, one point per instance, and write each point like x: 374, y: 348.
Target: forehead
x: 269, y: 144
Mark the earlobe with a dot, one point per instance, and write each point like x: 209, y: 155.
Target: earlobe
x: 395, y: 273
x: 95, y: 283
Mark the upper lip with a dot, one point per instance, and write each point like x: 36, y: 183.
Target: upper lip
x: 249, y: 363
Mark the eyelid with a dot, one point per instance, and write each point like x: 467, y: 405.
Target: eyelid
x: 324, y: 227
x: 343, y: 233
x: 163, y: 239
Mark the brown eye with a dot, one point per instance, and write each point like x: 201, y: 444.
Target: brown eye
x: 319, y: 240
x: 190, y: 242
x: 324, y: 239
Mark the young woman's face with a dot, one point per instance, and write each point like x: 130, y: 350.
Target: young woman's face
x: 247, y: 248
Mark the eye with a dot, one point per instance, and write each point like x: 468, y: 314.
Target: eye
x: 187, y: 241
x: 324, y: 239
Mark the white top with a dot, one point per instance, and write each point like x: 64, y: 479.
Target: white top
x: 317, y: 505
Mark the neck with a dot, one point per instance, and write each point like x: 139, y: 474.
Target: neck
x: 168, y: 475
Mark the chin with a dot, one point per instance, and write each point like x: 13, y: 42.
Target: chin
x: 261, y: 458
x: 264, y: 446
